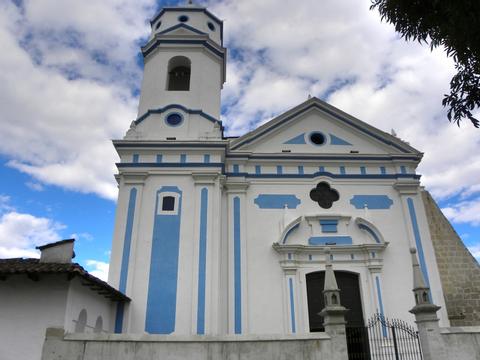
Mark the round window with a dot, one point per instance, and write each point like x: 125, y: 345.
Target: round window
x: 158, y: 25
x: 211, y: 26
x: 183, y: 18
x: 174, y: 119
x: 317, y: 138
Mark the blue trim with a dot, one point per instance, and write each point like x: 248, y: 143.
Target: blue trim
x: 403, y: 169
x: 165, y: 164
x: 380, y: 303
x: 279, y: 169
x: 202, y: 262
x: 300, y: 169
x: 321, y: 157
x: 289, y: 256
x: 342, y: 170
x: 383, y: 170
x: 164, y: 144
x: 296, y: 226
x: 321, y: 169
x: 335, y: 140
x: 237, y: 265
x: 418, y: 240
x: 292, y: 305
x: 183, y: 158
x: 258, y: 169
x: 178, y: 26
x: 319, y: 173
x: 135, y: 158
x: 183, y: 108
x: 148, y: 48
x: 206, y: 158
x: 330, y: 240
x: 299, y: 139
x: 236, y: 168
x: 127, y: 241
x: 373, y: 202
x: 329, y: 226
x: 328, y: 111
x: 370, y: 231
x: 159, y: 158
x: 162, y: 284
x: 276, y: 201
x: 363, y: 170
x: 119, y: 317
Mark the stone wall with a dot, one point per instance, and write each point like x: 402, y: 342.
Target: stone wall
x: 459, y: 271
x: 60, y: 346
x: 462, y: 343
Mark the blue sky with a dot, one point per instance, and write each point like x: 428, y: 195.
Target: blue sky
x: 70, y: 84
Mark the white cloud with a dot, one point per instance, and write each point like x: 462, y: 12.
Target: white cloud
x: 98, y: 269
x: 475, y: 251
x: 20, y: 233
x: 464, y: 212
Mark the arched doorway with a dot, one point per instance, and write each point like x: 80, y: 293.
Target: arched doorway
x: 349, y: 286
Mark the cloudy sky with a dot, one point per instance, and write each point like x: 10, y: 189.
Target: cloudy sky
x: 70, y: 72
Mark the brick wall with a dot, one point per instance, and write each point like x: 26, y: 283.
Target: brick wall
x: 459, y: 271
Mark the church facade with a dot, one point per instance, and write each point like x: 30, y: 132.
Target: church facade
x: 218, y: 235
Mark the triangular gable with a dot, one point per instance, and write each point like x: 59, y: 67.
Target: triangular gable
x: 181, y: 29
x: 337, y: 140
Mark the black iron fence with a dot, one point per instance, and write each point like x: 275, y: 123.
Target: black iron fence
x: 383, y: 338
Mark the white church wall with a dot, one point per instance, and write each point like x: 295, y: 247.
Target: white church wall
x: 80, y: 298
x: 27, y: 308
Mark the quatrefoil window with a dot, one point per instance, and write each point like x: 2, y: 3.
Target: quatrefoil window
x: 324, y: 195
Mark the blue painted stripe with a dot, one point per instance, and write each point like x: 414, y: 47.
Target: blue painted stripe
x: 383, y: 170
x: 289, y: 232
x: 321, y: 169
x: 206, y: 158
x: 279, y: 169
x: 236, y: 168
x: 329, y: 226
x: 127, y: 241
x: 159, y: 158
x: 418, y: 239
x: 363, y: 170
x: 370, y: 231
x: 258, y: 169
x: 300, y: 170
x: 165, y: 164
x: 289, y: 156
x: 335, y: 140
x: 299, y: 139
x: 292, y: 305
x: 202, y: 262
x: 342, y: 170
x: 380, y: 303
x: 162, y: 284
x: 119, y: 317
x: 403, y: 169
x: 183, y: 158
x: 237, y: 265
x: 135, y: 158
x: 330, y: 240
x: 166, y: 144
x: 310, y: 176
x: 183, y: 108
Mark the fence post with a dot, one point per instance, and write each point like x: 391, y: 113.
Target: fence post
x: 334, y: 313
x: 426, y: 318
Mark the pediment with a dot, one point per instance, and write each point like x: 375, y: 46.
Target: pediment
x: 318, y: 128
x: 181, y: 30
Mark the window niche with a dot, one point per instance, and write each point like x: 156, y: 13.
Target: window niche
x: 179, y: 71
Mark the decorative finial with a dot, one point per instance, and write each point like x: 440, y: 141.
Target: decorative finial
x: 420, y: 289
x: 309, y: 96
x: 393, y: 132
x: 330, y: 281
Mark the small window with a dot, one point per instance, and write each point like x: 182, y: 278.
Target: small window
x: 81, y: 322
x: 98, y: 325
x: 183, y: 18
x: 317, y: 138
x: 211, y: 26
x: 174, y: 119
x: 158, y: 25
x: 168, y: 203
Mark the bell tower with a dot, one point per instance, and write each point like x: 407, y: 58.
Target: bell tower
x: 185, y: 64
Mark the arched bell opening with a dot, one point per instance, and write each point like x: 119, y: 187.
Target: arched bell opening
x: 179, y: 71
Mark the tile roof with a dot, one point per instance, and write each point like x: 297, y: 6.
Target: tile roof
x: 33, y: 268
